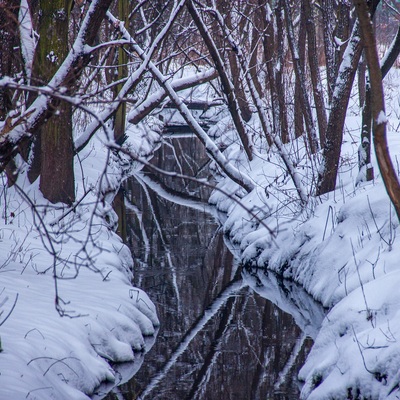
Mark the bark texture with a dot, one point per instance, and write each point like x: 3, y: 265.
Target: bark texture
x: 56, y: 145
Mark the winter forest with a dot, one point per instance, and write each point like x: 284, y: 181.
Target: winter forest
x: 199, y: 199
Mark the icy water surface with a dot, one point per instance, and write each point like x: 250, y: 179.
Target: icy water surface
x: 220, y: 336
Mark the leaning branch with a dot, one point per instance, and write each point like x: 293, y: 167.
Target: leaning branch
x: 154, y: 100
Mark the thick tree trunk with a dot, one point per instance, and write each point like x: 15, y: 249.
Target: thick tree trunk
x: 334, y: 133
x: 56, y: 148
x: 341, y: 32
x: 9, y: 35
x: 67, y: 76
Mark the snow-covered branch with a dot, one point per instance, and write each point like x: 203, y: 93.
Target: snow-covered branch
x: 240, y: 177
x: 154, y: 100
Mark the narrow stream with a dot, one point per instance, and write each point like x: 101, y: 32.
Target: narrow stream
x: 221, y: 335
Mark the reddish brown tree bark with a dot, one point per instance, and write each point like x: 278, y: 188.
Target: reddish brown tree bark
x: 386, y: 168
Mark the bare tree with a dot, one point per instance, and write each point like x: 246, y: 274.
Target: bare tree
x: 334, y: 133
x: 21, y: 129
x: 378, y: 105
x: 319, y: 101
x: 227, y: 84
x: 366, y: 124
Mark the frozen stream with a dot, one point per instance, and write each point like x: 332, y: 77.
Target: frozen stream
x: 222, y: 336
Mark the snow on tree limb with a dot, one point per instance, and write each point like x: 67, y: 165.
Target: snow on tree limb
x: 132, y: 80
x: 153, y: 100
x: 216, y: 155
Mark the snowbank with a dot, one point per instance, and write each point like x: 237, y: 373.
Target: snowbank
x: 343, y: 249
x: 105, y: 319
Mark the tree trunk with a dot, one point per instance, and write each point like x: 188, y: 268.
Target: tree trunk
x: 122, y: 71
x: 298, y: 104
x: 362, y: 68
x: 269, y: 53
x: 119, y: 123
x: 279, y: 70
x: 386, y: 168
x: 9, y: 35
x: 341, y: 33
x: 366, y: 126
x: 56, y: 149
x: 334, y: 133
x: 9, y: 39
x: 328, y: 17
x: 67, y: 76
x: 364, y: 152
x: 314, y: 71
x: 297, y: 62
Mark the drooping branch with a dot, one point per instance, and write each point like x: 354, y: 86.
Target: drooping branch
x: 133, y: 79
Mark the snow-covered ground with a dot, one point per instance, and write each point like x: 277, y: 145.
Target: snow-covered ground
x: 343, y: 249
x: 105, y: 319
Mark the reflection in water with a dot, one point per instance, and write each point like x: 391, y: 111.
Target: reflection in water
x: 220, y: 338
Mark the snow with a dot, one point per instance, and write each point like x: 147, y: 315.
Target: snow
x: 381, y: 119
x: 27, y: 36
x: 342, y: 249
x: 104, y: 318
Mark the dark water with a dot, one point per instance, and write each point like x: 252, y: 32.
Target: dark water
x: 220, y: 335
